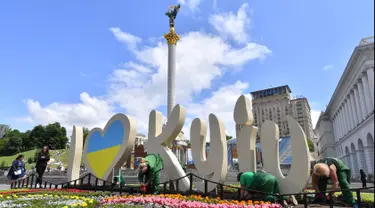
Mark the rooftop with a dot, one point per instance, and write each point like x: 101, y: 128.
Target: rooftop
x: 286, y: 86
x: 368, y: 40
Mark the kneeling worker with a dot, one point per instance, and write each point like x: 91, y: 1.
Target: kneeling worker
x: 263, y: 182
x: 339, y: 174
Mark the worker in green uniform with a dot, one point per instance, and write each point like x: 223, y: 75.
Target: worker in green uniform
x: 149, y: 173
x: 339, y: 174
x: 262, y: 182
x: 119, y: 180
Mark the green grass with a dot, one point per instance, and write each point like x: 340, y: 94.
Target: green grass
x: 63, y: 157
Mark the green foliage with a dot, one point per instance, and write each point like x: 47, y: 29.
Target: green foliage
x: 3, y: 164
x: 311, y: 145
x: 30, y: 160
x: 3, y: 143
x: 228, y: 137
x: 14, y: 141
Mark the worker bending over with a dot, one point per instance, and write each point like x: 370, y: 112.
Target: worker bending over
x: 262, y: 182
x: 339, y: 174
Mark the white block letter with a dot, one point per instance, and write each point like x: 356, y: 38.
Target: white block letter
x: 75, y: 153
x: 300, y: 169
x: 217, y: 161
x: 245, y: 134
x: 159, y: 139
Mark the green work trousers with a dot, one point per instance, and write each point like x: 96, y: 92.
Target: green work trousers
x: 344, y: 177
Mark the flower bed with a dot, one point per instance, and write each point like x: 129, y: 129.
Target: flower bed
x: 67, y: 198
x: 367, y: 198
x: 177, y: 200
x: 49, y: 198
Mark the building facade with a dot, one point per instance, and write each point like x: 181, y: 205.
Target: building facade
x: 301, y: 111
x: 346, y: 128
x: 274, y: 104
x: 3, y: 130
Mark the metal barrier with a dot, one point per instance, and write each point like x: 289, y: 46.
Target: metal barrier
x: 91, y: 182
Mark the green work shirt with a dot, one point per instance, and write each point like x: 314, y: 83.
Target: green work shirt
x: 340, y: 165
x: 246, y: 179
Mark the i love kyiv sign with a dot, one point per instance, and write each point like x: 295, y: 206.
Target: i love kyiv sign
x: 106, y: 150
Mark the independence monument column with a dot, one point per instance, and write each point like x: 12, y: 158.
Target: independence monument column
x: 172, y: 39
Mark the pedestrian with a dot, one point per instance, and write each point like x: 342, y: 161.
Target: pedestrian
x: 363, y: 178
x: 41, y: 164
x: 17, y: 170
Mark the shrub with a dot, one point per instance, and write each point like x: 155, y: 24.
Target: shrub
x: 3, y: 164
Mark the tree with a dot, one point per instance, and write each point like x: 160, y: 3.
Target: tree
x: 28, y: 142
x: 56, y: 135
x: 229, y: 137
x: 311, y: 145
x: 38, y: 135
x: 13, y: 141
x: 14, y: 144
x: 53, y: 135
x: 3, y: 144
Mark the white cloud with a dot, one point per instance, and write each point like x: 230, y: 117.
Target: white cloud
x: 327, y: 67
x: 231, y: 25
x: 191, y: 4
x: 134, y: 88
x: 221, y: 103
x: 90, y: 112
x: 314, y: 117
x: 141, y: 84
x: 126, y: 38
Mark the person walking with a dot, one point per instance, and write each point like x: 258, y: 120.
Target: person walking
x: 17, y: 170
x: 41, y: 164
x: 363, y: 178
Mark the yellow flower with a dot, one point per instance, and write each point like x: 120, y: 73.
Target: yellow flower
x: 65, y: 207
x: 8, y: 197
x: 84, y: 204
x: 1, y: 196
x: 74, y: 205
x: 91, y: 201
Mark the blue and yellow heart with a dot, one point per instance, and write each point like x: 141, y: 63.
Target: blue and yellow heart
x: 101, y: 151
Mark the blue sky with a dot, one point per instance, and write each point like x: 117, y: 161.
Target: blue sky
x: 79, y: 62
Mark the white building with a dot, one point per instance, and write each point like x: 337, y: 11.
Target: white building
x: 346, y: 129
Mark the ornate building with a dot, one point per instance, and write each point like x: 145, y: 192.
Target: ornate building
x: 346, y: 128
